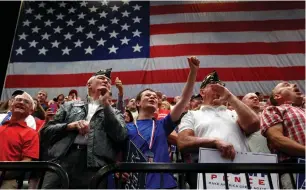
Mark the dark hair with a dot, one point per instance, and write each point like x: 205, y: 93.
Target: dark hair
x: 130, y: 115
x: 257, y: 93
x: 73, y: 91
x: 138, y: 96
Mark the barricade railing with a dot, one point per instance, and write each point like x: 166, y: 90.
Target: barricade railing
x: 36, y: 166
x: 225, y: 168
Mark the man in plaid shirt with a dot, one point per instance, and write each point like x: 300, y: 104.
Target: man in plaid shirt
x: 284, y: 124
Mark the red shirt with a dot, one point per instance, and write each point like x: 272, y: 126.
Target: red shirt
x: 292, y: 119
x: 18, y: 141
x: 39, y: 123
x: 162, y: 114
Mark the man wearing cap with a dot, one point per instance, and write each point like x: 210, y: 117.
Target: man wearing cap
x: 85, y: 136
x: 30, y: 120
x: 195, y: 101
x: 214, y: 126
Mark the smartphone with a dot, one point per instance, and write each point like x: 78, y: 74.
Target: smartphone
x: 53, y: 108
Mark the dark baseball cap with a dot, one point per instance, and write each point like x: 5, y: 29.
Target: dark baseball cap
x: 196, y: 96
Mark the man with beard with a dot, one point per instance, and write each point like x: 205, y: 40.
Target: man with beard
x: 214, y: 126
x: 283, y: 124
x: 256, y: 141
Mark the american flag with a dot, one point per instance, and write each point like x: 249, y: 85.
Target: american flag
x: 252, y: 45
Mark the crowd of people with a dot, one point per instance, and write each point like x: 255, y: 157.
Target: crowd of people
x: 85, y: 135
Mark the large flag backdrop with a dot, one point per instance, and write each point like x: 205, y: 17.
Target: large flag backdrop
x: 252, y: 45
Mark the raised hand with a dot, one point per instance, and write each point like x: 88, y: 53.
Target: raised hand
x: 119, y: 85
x: 194, y: 63
x: 223, y: 92
x: 105, y: 99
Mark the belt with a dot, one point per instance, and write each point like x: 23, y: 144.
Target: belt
x: 78, y: 146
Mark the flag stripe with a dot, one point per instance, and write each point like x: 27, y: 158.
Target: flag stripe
x: 228, y: 26
x: 227, y: 16
x: 165, y: 76
x: 164, y: 63
x: 227, y: 49
x: 227, y: 37
x: 225, y: 7
x: 170, y: 89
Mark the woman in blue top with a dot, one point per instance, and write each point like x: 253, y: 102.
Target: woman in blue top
x: 150, y: 135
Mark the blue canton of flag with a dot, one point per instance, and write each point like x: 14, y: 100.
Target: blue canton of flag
x: 77, y: 31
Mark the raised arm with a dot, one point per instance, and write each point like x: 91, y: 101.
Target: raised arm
x: 178, y: 109
x: 248, y: 120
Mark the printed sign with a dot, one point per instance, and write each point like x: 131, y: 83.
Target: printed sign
x: 236, y: 180
x: 136, y: 180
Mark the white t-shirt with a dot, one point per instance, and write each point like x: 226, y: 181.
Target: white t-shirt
x: 29, y: 120
x: 216, y: 122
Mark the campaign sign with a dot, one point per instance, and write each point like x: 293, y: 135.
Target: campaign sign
x: 300, y: 178
x: 236, y: 180
x: 134, y: 155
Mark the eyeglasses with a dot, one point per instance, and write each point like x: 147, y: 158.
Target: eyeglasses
x: 25, y: 101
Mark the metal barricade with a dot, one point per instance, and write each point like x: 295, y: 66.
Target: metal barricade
x: 203, y: 168
x: 37, y: 166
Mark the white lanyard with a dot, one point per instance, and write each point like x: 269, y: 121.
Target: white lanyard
x: 152, y: 133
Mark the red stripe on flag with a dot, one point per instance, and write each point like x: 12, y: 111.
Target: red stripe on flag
x: 158, y: 76
x: 227, y: 49
x: 228, y: 26
x: 226, y: 7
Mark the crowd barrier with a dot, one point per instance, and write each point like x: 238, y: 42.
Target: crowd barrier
x: 36, y: 166
x: 200, y: 168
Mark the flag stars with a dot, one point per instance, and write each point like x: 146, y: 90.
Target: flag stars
x: 114, y: 8
x: 45, y: 36
x: 93, y: 9
x: 113, y: 34
x: 136, y: 33
x: 26, y: 23
x: 35, y: 29
x: 42, y: 51
x: 125, y: 14
x: 137, y: 19
x: 68, y: 36
x: 79, y: 29
x: 20, y: 51
x: 113, y: 49
x: 29, y: 11
x: 38, y: 17
x: 57, y: 29
x: 62, y: 4
x: 92, y: 21
x: 70, y: 22
x: 90, y: 35
x: 71, y: 10
x: 125, y: 27
x: 33, y: 43
x: 124, y: 41
x: 42, y: 4
x: 78, y: 43
x: 137, y: 7
x: 137, y: 48
x: 103, y: 14
x: 102, y: 28
x: 104, y: 3
x: 60, y: 16
x: 101, y: 42
x: 114, y: 20
x: 89, y: 50
x: 48, y: 23
x: 22, y: 36
x: 66, y: 51
x: 83, y: 4
x: 50, y: 11
x: 81, y: 16
x: 55, y: 44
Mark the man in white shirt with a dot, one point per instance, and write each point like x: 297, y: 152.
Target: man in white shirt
x: 214, y: 126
